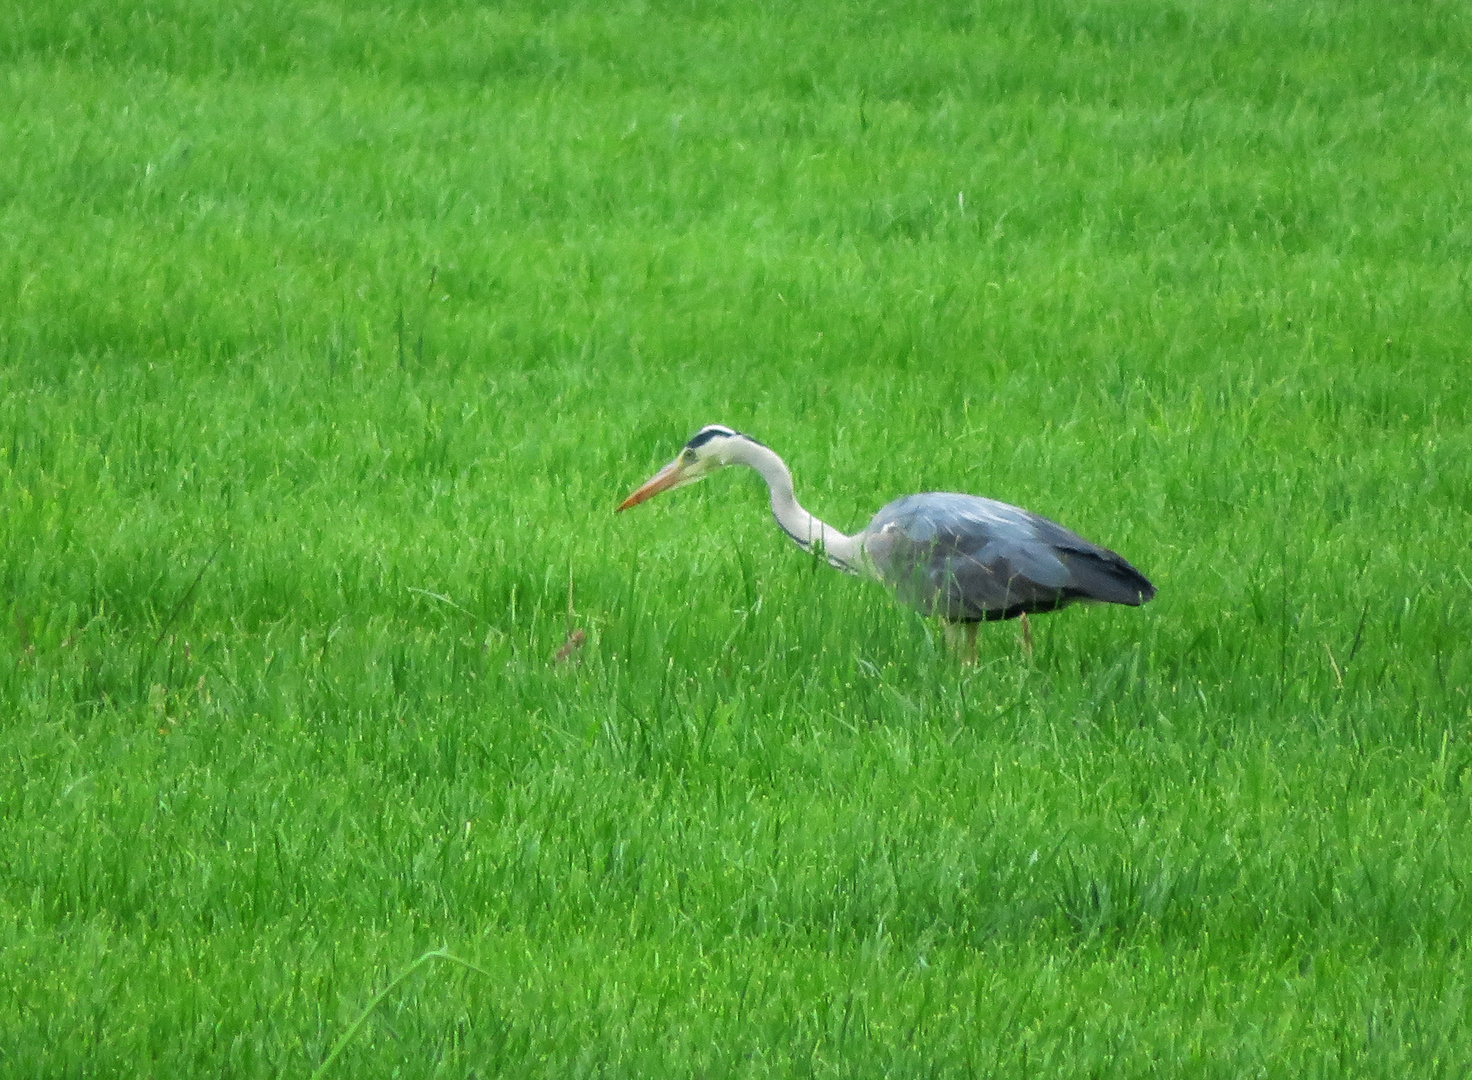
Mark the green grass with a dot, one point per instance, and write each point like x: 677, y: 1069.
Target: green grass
x: 329, y: 338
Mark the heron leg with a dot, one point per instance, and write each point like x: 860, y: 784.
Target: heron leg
x: 1026, y: 638
x: 952, y: 632
x: 964, y: 649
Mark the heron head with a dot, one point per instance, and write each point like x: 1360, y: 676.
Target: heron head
x: 708, y: 450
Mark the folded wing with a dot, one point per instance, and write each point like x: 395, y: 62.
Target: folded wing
x: 966, y: 559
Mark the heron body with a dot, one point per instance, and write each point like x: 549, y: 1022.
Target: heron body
x: 968, y: 559
x: 962, y: 558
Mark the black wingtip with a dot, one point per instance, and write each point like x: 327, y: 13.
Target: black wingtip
x: 1143, y: 591
x: 1108, y: 578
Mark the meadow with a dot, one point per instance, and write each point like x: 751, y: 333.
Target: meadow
x: 331, y: 335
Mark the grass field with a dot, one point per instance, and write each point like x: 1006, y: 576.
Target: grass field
x: 329, y: 338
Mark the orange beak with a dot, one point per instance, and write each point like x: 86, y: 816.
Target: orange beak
x: 669, y: 476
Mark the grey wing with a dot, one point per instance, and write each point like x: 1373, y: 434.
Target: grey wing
x: 966, y: 558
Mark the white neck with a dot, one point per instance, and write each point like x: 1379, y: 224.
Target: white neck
x: 806, y: 531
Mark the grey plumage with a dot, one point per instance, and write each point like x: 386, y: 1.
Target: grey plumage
x: 968, y: 559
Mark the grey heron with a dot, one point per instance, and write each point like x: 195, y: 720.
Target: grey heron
x: 962, y: 558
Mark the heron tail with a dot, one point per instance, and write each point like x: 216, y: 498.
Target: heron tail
x: 1104, y: 576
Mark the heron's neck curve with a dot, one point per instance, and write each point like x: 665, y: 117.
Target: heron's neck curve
x: 808, y: 532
